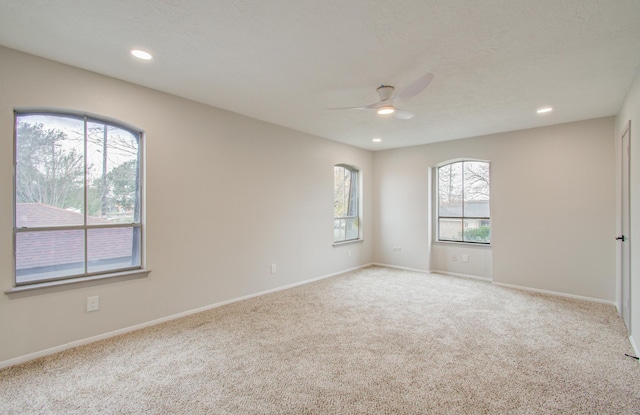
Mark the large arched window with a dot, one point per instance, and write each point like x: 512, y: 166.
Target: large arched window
x: 78, y: 197
x: 464, y: 202
x: 346, y: 204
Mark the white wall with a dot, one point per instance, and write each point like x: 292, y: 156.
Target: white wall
x: 631, y: 112
x: 479, y: 262
x: 553, y: 208
x: 226, y: 196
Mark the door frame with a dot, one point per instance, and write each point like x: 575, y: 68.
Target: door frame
x: 623, y: 257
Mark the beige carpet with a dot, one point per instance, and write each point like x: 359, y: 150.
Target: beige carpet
x: 373, y: 341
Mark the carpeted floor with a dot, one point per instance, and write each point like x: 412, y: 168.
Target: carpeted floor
x: 372, y: 341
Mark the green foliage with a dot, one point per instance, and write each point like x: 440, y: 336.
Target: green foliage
x: 123, y: 184
x: 49, y: 169
x: 119, y: 195
x: 480, y: 234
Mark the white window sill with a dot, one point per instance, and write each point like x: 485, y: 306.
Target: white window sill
x: 116, y: 276
x: 342, y: 243
x: 465, y: 244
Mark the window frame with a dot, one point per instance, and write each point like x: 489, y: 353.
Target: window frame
x: 137, y: 226
x: 358, y: 208
x: 462, y: 217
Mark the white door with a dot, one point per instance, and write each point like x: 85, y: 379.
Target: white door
x: 623, y: 238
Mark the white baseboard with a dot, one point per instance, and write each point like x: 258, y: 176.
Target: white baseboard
x: 455, y: 274
x: 433, y: 271
x: 515, y: 287
x: 82, y: 342
x: 378, y: 264
x: 555, y: 293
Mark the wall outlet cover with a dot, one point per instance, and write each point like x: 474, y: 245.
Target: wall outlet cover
x: 93, y: 303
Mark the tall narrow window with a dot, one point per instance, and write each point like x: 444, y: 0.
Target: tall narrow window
x: 463, y: 202
x: 77, y: 197
x: 346, y: 221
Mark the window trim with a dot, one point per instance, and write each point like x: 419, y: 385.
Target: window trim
x: 114, y: 276
x: 120, y: 273
x: 359, y: 238
x: 437, y: 217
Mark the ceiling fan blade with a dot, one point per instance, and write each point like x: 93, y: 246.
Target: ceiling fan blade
x: 365, y: 107
x: 403, y: 115
x: 373, y: 106
x: 416, y: 86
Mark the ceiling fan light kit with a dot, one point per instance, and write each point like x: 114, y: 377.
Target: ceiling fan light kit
x: 385, y: 110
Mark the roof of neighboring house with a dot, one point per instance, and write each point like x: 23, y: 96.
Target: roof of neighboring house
x: 58, y: 247
x: 34, y: 215
x: 472, y: 208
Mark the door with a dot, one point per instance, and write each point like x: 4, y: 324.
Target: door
x: 623, y: 238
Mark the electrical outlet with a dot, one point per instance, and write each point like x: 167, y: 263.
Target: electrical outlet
x: 93, y: 303
x: 273, y: 268
x: 465, y: 258
x: 349, y: 252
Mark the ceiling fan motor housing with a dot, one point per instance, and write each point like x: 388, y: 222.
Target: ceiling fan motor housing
x: 385, y: 92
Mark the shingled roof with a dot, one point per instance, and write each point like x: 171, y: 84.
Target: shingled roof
x: 65, y: 247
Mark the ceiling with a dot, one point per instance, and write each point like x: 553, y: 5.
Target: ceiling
x: 288, y: 61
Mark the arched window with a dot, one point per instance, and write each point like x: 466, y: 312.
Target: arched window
x: 464, y: 202
x: 346, y: 204
x: 78, y: 197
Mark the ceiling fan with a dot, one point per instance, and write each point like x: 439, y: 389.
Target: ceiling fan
x: 386, y: 92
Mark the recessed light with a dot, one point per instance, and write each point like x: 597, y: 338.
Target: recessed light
x: 377, y: 140
x: 544, y: 110
x: 141, y: 54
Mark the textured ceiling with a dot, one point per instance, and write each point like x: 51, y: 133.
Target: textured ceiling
x: 287, y: 61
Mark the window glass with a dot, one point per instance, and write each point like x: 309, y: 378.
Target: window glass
x: 50, y: 254
x: 476, y: 189
x: 49, y: 170
x: 450, y: 190
x: 77, y: 197
x: 346, y: 222
x: 112, y: 173
x: 464, y: 202
x: 109, y: 248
